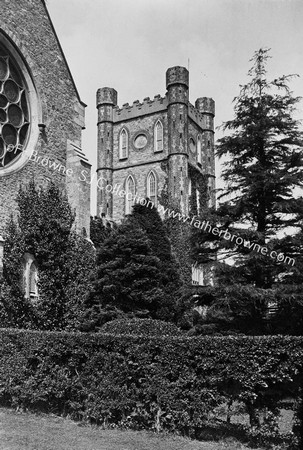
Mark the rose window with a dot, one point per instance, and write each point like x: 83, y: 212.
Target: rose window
x: 14, y: 110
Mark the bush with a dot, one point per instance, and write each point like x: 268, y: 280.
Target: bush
x: 65, y: 262
x: 146, y: 327
x: 170, y: 383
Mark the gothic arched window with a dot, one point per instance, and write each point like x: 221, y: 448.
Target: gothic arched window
x: 199, y: 150
x: 14, y: 109
x: 152, y: 187
x: 130, y: 194
x: 30, y: 277
x: 123, y: 144
x: 158, y: 137
x: 33, y: 278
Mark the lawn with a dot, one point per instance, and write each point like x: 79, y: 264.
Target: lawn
x: 23, y: 431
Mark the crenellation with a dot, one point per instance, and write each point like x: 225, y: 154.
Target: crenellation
x: 138, y: 108
x: 180, y: 121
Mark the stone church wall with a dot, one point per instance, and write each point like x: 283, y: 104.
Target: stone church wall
x: 58, y: 113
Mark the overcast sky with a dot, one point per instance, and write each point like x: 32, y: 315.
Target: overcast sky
x: 129, y: 44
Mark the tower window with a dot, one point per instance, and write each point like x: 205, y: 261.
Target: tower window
x: 199, y: 150
x: 123, y: 144
x: 152, y: 188
x: 130, y: 194
x: 158, y: 137
x: 189, y: 187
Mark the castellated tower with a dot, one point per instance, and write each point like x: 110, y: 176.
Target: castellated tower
x: 159, y: 145
x: 206, y: 106
x: 106, y: 101
x: 177, y: 79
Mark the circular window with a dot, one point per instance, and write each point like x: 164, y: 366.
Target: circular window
x: 140, y: 141
x: 14, y: 110
x: 192, y: 145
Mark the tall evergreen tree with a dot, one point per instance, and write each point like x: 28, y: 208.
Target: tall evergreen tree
x: 128, y: 278
x: 263, y: 168
x: 148, y: 218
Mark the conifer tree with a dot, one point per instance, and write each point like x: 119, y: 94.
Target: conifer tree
x: 148, y: 218
x: 263, y: 168
x: 128, y: 278
x: 263, y: 165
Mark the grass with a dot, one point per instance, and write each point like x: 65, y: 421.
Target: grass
x: 24, y: 431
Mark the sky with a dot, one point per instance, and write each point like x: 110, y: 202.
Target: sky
x: 129, y: 45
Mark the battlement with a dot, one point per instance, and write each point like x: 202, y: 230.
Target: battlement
x: 107, y: 96
x: 199, y: 118
x: 177, y: 75
x: 205, y: 105
x: 147, y: 106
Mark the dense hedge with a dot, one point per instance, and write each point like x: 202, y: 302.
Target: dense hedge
x: 147, y: 327
x: 145, y: 382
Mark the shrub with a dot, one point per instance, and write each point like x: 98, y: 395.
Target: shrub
x: 128, y: 279
x: 162, y: 382
x: 146, y: 327
x: 65, y: 261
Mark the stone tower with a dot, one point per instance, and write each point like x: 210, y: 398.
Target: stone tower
x: 161, y: 149
x: 106, y: 101
x: 177, y: 79
x: 154, y: 145
x: 206, y: 106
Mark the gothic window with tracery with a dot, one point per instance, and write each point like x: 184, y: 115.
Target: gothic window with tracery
x: 123, y: 144
x: 14, y: 109
x: 158, y: 136
x: 130, y: 194
x: 152, y: 187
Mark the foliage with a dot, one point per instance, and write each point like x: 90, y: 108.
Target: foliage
x: 178, y: 234
x: 233, y: 307
x: 146, y: 327
x: 264, y: 166
x: 149, y: 220
x: 100, y: 229
x: 298, y: 425
x: 64, y: 260
x: 160, y: 382
x: 128, y: 278
x: 80, y: 270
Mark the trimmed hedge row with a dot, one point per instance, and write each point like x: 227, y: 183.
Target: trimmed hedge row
x: 147, y: 327
x: 171, y: 383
